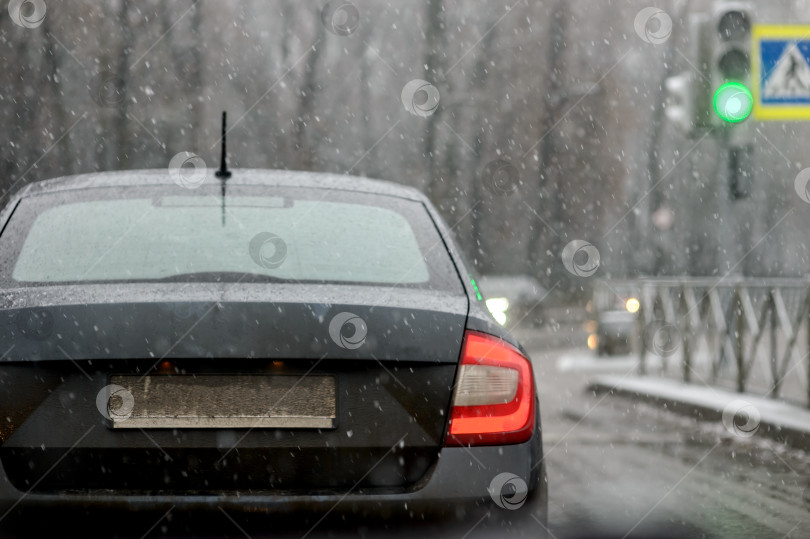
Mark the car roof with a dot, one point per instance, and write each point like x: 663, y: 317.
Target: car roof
x: 259, y: 177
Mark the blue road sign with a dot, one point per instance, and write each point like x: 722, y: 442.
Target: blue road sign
x: 781, y: 72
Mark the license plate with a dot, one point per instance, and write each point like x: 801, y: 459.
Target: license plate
x: 222, y: 401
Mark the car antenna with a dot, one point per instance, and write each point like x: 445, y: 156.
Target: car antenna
x: 223, y: 173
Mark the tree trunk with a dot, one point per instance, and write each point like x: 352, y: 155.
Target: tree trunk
x: 435, y: 43
x: 60, y: 124
x: 306, y: 104
x: 121, y: 129
x: 196, y: 81
x: 555, y: 198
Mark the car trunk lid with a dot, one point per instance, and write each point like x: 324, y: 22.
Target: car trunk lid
x: 392, y: 356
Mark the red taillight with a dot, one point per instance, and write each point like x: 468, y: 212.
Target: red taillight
x: 493, y: 402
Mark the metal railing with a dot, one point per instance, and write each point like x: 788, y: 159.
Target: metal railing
x: 748, y: 335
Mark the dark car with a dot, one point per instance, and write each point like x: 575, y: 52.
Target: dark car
x: 279, y: 341
x: 615, y: 332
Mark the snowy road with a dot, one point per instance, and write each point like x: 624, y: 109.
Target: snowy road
x: 616, y: 466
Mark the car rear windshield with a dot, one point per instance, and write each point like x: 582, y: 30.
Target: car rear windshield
x: 252, y: 234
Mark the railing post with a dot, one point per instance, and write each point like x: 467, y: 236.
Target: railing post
x: 777, y: 381
x: 807, y: 355
x: 642, y: 354
x: 686, y: 341
x: 687, y: 357
x: 642, y: 320
x: 739, y: 343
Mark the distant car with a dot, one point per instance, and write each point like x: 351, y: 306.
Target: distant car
x: 614, y: 332
x: 285, y: 340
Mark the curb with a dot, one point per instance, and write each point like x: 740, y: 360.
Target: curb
x: 780, y: 421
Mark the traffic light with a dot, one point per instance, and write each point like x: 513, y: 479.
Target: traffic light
x: 731, y: 64
x: 715, y: 93
x: 680, y: 109
x: 689, y: 94
x: 732, y: 100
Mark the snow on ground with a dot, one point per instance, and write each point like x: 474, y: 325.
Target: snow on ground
x: 779, y: 414
x: 587, y: 361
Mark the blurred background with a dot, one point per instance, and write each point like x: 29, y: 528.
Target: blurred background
x: 562, y: 95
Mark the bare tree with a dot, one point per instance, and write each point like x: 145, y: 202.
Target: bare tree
x: 63, y: 153
x: 306, y: 103
x: 549, y: 194
x: 121, y: 127
x: 435, y: 45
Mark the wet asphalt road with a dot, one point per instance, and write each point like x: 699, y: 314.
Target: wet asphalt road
x: 615, y: 468
x: 620, y: 467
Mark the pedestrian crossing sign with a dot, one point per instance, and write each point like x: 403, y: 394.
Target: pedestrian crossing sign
x: 780, y: 72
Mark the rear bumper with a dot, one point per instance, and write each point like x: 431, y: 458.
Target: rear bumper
x: 460, y: 477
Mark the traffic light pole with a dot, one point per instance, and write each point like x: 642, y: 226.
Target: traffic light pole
x: 738, y: 155
x: 734, y: 175
x: 740, y: 163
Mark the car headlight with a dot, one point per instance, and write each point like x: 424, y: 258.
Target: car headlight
x: 497, y: 307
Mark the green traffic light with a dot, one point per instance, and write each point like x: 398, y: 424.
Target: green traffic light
x: 733, y: 102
